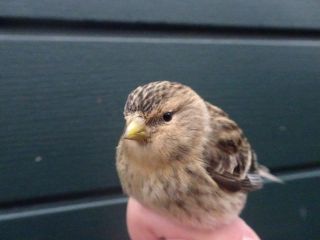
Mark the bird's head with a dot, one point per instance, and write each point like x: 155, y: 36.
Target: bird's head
x: 165, y: 121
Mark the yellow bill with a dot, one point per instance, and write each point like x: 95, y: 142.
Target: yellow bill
x: 136, y: 129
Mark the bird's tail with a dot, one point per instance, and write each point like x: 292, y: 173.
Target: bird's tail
x: 265, y: 173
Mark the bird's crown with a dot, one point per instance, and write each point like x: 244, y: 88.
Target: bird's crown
x: 147, y: 97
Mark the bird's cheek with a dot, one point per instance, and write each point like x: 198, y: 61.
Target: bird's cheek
x: 152, y: 130
x: 159, y: 140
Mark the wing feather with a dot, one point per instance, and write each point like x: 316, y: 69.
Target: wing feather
x: 230, y: 160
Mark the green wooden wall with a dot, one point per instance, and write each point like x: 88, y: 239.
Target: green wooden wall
x: 67, y: 66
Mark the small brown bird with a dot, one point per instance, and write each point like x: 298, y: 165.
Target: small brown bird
x: 185, y: 158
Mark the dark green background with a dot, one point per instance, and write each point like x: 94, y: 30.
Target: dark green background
x: 66, y: 68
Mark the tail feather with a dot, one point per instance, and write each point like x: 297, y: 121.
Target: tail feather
x: 262, y: 170
x: 265, y: 173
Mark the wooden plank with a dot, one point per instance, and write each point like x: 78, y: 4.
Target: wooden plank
x: 62, y: 99
x: 243, y: 13
x: 94, y: 220
x: 290, y: 210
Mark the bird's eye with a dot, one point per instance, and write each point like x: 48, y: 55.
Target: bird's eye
x: 167, y: 116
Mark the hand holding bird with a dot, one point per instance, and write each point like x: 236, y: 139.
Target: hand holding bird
x: 144, y: 224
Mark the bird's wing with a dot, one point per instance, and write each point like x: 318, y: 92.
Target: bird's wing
x: 230, y: 160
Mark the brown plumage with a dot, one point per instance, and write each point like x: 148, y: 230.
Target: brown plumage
x: 185, y: 158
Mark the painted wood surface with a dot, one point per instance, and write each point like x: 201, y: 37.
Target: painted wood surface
x: 244, y: 13
x: 62, y: 102
x: 66, y: 68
